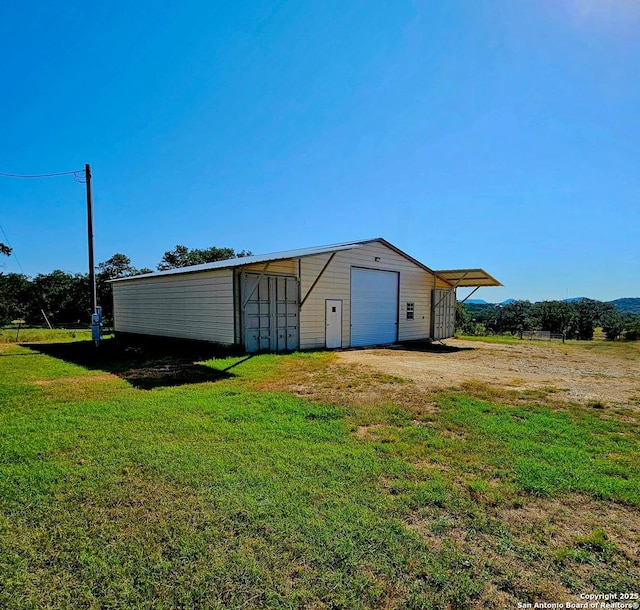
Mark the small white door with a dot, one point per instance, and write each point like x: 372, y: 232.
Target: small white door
x: 334, y: 323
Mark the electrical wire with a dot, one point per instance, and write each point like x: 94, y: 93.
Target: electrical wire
x: 38, y: 300
x: 75, y: 173
x: 79, y: 175
x: 13, y: 253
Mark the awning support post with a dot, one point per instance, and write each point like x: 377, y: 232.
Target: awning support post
x: 465, y: 298
x: 255, y: 286
x: 453, y: 289
x: 317, y: 279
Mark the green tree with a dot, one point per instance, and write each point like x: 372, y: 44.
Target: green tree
x: 64, y: 297
x: 15, y: 295
x: 632, y: 328
x: 517, y: 317
x: 466, y: 323
x: 181, y: 256
x: 612, y: 321
x: 482, y: 313
x: 10, y: 292
x: 554, y: 316
x: 119, y: 265
x: 584, y: 319
x: 463, y: 318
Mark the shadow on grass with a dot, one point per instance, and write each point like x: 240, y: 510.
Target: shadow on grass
x: 431, y: 347
x: 144, y: 364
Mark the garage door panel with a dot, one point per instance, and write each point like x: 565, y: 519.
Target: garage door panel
x: 374, y: 307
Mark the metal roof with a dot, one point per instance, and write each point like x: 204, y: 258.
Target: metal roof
x: 257, y: 258
x: 455, y: 277
x: 461, y: 278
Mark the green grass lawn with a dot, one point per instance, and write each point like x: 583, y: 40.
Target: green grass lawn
x: 16, y: 334
x: 210, y: 491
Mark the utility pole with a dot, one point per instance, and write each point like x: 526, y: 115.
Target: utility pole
x: 92, y: 270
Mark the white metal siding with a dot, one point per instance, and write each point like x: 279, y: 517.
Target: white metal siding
x: 415, y: 287
x: 187, y: 306
x: 374, y: 307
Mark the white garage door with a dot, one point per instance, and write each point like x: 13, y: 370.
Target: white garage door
x: 374, y: 307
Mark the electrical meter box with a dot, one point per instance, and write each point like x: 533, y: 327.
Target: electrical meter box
x: 96, y: 323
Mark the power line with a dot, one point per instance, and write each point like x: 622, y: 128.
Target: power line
x: 82, y: 176
x: 13, y: 253
x: 78, y: 174
x: 75, y: 173
x: 23, y: 273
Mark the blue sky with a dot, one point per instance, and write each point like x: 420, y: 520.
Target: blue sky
x: 495, y: 134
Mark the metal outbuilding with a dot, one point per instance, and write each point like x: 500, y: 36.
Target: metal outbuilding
x: 351, y: 294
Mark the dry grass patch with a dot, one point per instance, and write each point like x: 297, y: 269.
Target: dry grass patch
x: 67, y: 389
x: 378, y: 432
x: 570, y: 522
x: 372, y: 394
x: 543, y: 550
x: 580, y: 372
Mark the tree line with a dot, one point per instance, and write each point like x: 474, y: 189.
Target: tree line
x: 572, y: 319
x: 62, y: 299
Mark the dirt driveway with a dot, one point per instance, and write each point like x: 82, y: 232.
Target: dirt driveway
x: 575, y: 373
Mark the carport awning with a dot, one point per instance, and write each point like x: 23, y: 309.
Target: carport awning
x: 467, y: 278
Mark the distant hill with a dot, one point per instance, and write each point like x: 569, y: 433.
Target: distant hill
x: 628, y: 304
x: 625, y: 305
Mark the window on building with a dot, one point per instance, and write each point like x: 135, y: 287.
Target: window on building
x: 410, y: 311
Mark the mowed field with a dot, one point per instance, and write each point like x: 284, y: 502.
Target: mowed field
x: 476, y: 475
